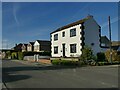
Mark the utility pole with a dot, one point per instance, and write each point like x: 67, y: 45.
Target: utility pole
x: 109, y: 26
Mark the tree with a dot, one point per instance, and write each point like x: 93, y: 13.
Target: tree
x: 8, y: 54
x: 115, y: 56
x: 20, y: 56
x: 87, y: 54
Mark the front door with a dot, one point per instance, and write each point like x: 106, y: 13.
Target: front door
x: 63, y: 45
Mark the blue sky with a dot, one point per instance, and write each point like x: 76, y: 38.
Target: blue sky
x: 24, y: 22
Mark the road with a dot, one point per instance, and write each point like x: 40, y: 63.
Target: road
x: 22, y: 75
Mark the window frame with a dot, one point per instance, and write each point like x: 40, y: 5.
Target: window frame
x: 63, y: 34
x: 73, y: 48
x: 55, y: 52
x: 73, y: 32
x: 55, y: 37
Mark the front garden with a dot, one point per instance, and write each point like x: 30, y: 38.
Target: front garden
x: 87, y: 58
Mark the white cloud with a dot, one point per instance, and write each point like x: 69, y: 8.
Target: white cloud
x: 16, y: 7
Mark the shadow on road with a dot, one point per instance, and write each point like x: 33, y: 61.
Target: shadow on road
x: 10, y: 73
x: 11, y: 78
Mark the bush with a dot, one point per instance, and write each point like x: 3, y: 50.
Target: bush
x: 55, y: 62
x: 8, y: 54
x: 81, y: 63
x: 87, y: 54
x: 100, y: 56
x: 14, y: 55
x: 115, y: 56
x: 20, y: 55
x: 64, y: 62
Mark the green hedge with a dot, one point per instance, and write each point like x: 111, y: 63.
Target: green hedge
x: 64, y: 62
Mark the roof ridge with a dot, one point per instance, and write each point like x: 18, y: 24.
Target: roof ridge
x: 73, y: 24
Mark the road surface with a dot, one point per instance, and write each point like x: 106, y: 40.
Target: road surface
x: 25, y: 75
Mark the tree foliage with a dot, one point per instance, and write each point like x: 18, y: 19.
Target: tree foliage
x: 8, y: 54
x: 20, y: 55
x: 115, y: 56
x: 87, y: 54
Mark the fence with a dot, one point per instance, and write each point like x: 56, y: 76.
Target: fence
x: 35, y: 57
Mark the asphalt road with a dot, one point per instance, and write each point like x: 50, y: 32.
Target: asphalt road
x: 20, y: 75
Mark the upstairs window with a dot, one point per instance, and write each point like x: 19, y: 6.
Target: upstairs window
x: 72, y: 48
x: 73, y: 32
x: 55, y: 37
x: 63, y: 34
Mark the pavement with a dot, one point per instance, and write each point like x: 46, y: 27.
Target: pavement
x: 33, y: 63
x: 22, y: 74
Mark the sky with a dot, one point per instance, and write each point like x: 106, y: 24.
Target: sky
x: 23, y: 22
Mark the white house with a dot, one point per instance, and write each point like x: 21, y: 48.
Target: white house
x: 69, y: 40
x: 41, y: 46
x: 30, y: 46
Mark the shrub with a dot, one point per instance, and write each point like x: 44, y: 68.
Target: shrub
x: 8, y: 54
x: 55, y: 62
x: 20, y: 55
x: 100, y: 56
x: 63, y: 62
x: 81, y: 63
x: 14, y: 55
x: 87, y: 54
x: 115, y: 56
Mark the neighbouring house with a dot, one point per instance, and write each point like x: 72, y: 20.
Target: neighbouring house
x: 21, y: 47
x: 105, y: 42
x: 41, y: 46
x: 30, y: 47
x: 18, y: 47
x: 70, y: 39
x: 24, y: 47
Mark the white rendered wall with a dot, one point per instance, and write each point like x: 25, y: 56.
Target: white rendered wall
x: 67, y: 40
x: 92, y: 35
x: 36, y: 44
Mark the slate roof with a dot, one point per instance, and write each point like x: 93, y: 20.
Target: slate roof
x: 104, y: 39
x: 32, y: 43
x: 73, y: 24
x: 43, y: 41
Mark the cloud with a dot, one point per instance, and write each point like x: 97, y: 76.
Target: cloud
x: 16, y: 7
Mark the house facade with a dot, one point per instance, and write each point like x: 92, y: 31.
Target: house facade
x: 18, y: 47
x: 69, y: 40
x: 41, y: 46
x: 24, y: 47
x: 30, y: 47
